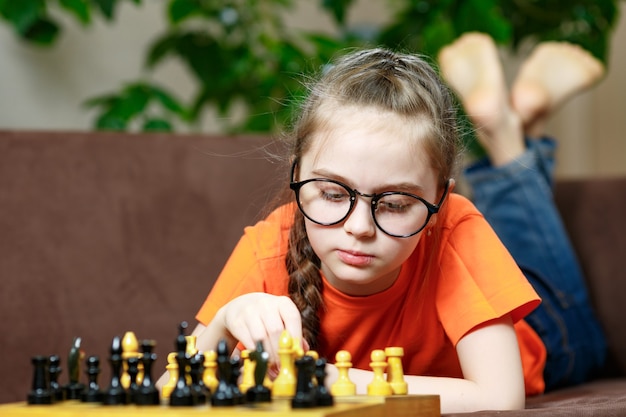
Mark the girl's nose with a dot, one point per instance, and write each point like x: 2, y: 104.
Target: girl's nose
x: 360, y: 222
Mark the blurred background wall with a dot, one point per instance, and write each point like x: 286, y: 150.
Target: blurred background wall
x: 44, y: 88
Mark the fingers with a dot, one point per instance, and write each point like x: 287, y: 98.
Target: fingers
x: 262, y: 317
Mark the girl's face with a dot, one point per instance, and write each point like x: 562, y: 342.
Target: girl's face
x: 370, y: 151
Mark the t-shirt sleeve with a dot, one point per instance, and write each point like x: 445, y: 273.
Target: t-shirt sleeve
x: 479, y: 280
x: 257, y: 264
x: 237, y: 278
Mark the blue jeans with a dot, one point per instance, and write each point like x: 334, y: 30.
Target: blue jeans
x: 516, y: 199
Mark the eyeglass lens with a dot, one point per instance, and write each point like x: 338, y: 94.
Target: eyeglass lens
x: 327, y: 202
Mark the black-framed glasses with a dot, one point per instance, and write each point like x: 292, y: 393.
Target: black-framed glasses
x: 396, y: 213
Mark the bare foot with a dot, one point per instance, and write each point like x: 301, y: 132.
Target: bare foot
x: 554, y: 72
x: 472, y: 67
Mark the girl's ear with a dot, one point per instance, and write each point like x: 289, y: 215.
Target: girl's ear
x: 452, y: 184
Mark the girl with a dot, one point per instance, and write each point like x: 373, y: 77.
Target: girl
x: 376, y: 251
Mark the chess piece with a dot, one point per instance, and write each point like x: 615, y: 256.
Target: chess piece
x: 115, y: 393
x: 247, y: 378
x: 147, y: 393
x: 54, y: 370
x: 93, y: 393
x: 181, y: 394
x: 130, y: 349
x: 305, y: 391
x: 235, y: 373
x: 259, y: 393
x: 323, y: 397
x: 395, y: 373
x: 74, y: 388
x: 132, y: 371
x: 285, y: 383
x: 172, y: 370
x: 198, y: 389
x: 223, y: 395
x: 379, y: 386
x: 40, y: 392
x: 209, y: 376
x: 343, y: 386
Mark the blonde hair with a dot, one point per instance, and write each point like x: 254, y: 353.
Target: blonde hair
x: 403, y: 84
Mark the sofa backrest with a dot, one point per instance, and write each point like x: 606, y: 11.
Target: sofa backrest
x: 101, y: 233
x: 593, y: 211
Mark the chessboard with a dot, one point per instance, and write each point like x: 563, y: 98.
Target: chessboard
x: 354, y: 406
x: 219, y: 382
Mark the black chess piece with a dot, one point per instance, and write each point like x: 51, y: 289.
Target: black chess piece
x: 54, y: 370
x: 259, y: 393
x: 323, y: 397
x: 74, y: 388
x: 115, y: 393
x: 223, y: 395
x: 305, y: 390
x: 93, y: 393
x: 40, y: 392
x: 133, y: 372
x: 235, y: 373
x: 198, y: 389
x: 147, y: 393
x: 181, y: 394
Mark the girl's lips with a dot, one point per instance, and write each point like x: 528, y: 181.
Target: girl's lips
x: 354, y: 258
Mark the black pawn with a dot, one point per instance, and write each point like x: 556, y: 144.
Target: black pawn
x: 115, y: 394
x: 305, y: 392
x: 181, y: 394
x: 198, y: 389
x: 259, y: 393
x: 54, y: 370
x: 40, y: 393
x: 323, y: 397
x: 133, y: 372
x: 93, y: 393
x: 74, y: 389
x: 147, y: 393
x: 223, y: 395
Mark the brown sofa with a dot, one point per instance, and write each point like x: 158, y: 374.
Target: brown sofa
x: 101, y: 233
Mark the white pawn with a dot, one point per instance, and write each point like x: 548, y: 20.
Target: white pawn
x: 343, y: 386
x: 172, y: 369
x: 379, y: 386
x: 210, y: 370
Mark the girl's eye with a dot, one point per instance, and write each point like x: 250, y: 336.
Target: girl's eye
x: 396, y: 204
x: 334, y: 193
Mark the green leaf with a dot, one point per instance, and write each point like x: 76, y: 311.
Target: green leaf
x: 483, y: 16
x: 180, y: 10
x: 133, y: 101
x: 161, y: 48
x: 23, y: 14
x: 157, y: 125
x: 168, y: 101
x: 107, y: 7
x: 111, y: 121
x: 79, y: 8
x: 338, y: 9
x: 42, y: 32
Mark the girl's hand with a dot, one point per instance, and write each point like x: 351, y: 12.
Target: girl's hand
x: 255, y: 317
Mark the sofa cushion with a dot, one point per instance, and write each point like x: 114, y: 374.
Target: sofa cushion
x: 603, y: 398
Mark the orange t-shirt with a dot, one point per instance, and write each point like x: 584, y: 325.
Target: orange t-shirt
x: 443, y: 291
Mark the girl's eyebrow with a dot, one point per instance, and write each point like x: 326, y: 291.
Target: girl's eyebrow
x: 407, y: 187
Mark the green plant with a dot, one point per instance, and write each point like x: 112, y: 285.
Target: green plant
x: 240, y: 52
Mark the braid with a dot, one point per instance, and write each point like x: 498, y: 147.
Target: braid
x: 305, y: 281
